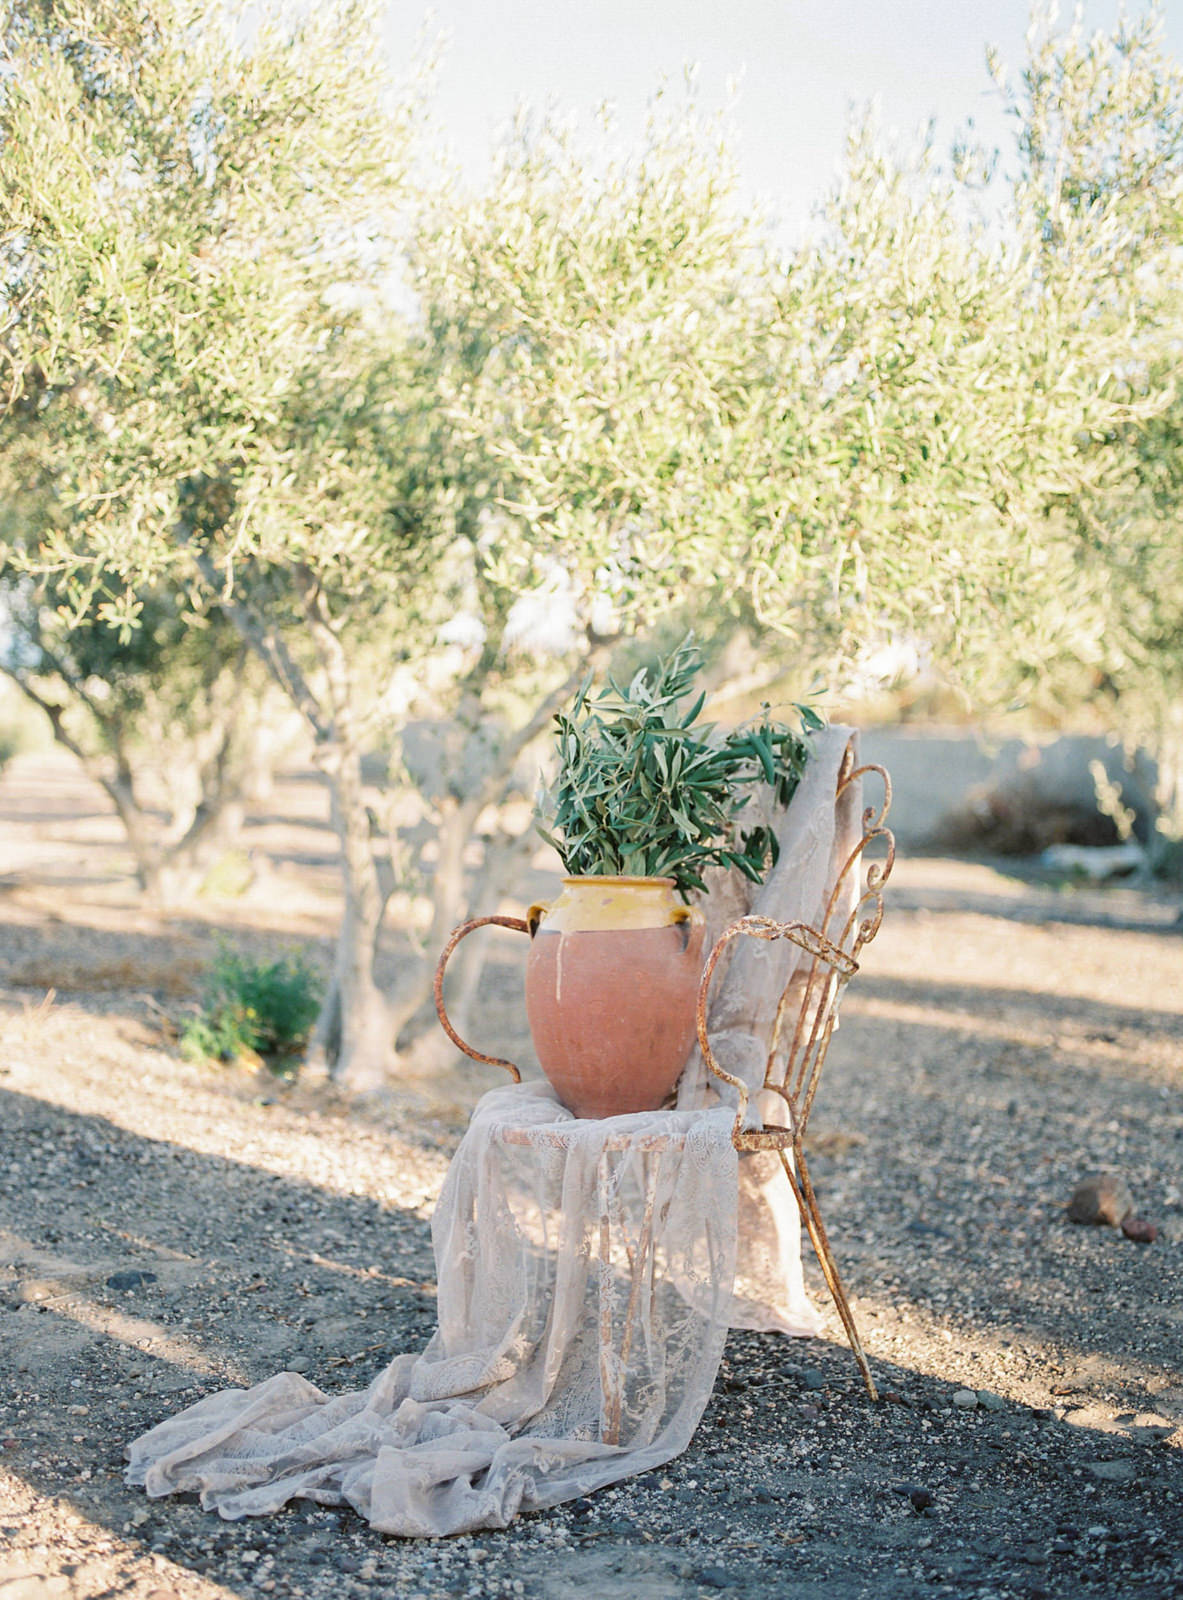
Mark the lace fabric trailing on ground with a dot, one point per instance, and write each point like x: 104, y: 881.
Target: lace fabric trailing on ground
x: 586, y: 1274
x: 542, y: 1273
x: 816, y: 839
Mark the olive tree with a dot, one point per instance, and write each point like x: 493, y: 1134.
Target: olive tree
x: 199, y: 215
x: 1100, y: 124
x: 198, y: 226
x: 588, y: 316
x: 174, y: 721
x: 603, y: 399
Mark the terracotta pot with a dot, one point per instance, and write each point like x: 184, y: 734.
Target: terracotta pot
x: 611, y: 985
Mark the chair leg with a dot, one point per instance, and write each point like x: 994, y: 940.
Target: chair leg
x: 802, y: 1189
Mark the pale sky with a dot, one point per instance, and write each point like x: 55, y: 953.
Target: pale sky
x: 802, y: 65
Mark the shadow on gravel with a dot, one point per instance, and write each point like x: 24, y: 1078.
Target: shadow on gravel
x: 1038, y: 904
x: 164, y: 957
x: 132, y: 1270
x: 1101, y: 1020
x: 945, y: 1160
x: 795, y: 1484
x: 137, y: 1275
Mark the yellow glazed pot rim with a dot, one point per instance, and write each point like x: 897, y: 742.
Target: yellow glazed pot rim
x: 597, y: 877
x: 611, y: 904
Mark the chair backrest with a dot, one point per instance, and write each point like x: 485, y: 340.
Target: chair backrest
x: 808, y: 1006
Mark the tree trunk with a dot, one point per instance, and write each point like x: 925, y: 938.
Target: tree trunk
x: 503, y: 868
x: 351, y: 1041
x: 448, y: 897
x: 167, y: 874
x: 121, y: 790
x: 179, y: 871
x: 354, y: 1031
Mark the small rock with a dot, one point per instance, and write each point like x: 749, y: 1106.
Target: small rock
x: 130, y: 1280
x: 1139, y: 1230
x: 920, y: 1497
x: 990, y: 1401
x: 1101, y: 1198
x: 715, y: 1578
x: 927, y: 1230
x: 299, y: 1364
x: 965, y: 1400
x: 811, y: 1378
x: 1113, y: 1471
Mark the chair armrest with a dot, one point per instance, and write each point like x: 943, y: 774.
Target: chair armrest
x: 799, y: 933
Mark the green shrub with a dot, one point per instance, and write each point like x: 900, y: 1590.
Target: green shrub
x: 11, y: 744
x: 264, y: 1007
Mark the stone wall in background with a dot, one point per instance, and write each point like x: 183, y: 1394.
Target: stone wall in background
x: 954, y: 789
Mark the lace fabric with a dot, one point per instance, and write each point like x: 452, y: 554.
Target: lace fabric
x: 587, y: 1276
x: 816, y: 837
x: 584, y: 1269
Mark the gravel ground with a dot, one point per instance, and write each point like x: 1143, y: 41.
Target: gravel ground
x: 168, y: 1228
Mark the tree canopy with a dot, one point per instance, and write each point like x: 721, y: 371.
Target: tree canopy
x: 266, y: 366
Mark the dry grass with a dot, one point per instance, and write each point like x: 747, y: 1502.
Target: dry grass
x: 179, y: 979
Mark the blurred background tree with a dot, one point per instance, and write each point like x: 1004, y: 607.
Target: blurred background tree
x: 200, y: 242
x: 1100, y: 123
x: 175, y: 721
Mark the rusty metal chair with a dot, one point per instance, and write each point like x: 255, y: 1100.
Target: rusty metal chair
x: 805, y: 1021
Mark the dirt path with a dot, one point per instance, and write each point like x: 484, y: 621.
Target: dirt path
x: 167, y: 1229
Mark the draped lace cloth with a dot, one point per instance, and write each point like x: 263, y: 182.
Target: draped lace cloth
x: 816, y: 837
x: 587, y: 1277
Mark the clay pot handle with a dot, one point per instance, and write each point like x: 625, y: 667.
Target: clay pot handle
x: 462, y: 932
x: 685, y: 917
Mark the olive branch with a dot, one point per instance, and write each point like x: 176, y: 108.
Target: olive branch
x: 643, y: 789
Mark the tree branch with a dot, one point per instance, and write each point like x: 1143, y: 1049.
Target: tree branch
x: 56, y: 715
x: 119, y: 788
x: 268, y: 644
